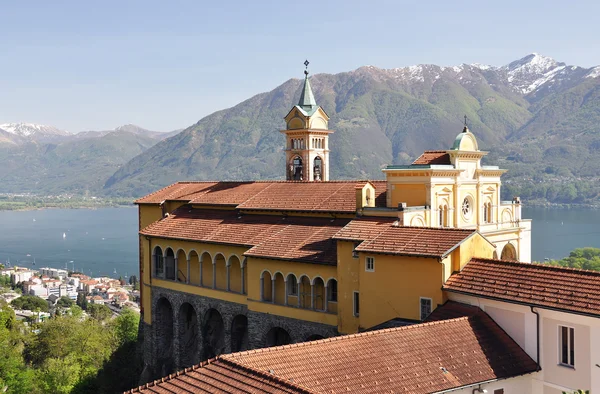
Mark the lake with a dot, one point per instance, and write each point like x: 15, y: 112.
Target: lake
x: 104, y: 241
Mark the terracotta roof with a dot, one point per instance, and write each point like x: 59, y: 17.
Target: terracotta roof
x: 298, y: 238
x: 302, y: 240
x: 433, y: 157
x: 364, y: 228
x: 416, y: 241
x: 178, y: 191
x: 334, y: 196
x: 452, y: 310
x: 540, y: 285
x: 221, y: 376
x: 410, y: 359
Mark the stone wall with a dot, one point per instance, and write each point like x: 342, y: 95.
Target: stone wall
x: 203, y: 328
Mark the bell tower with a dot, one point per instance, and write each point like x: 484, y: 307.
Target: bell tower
x: 307, y: 138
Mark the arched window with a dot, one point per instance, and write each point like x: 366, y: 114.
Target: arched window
x: 170, y: 266
x: 441, y: 215
x: 159, y: 265
x: 317, y: 168
x: 509, y: 252
x: 297, y: 168
x: 292, y: 285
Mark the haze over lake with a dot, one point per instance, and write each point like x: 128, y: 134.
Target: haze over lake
x: 102, y: 241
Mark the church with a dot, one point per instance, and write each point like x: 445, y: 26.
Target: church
x: 233, y: 266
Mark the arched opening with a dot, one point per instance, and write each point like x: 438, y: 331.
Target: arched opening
x: 188, y: 336
x: 163, y: 335
x: 170, y: 264
x: 319, y: 294
x: 292, y: 289
x: 509, y: 252
x: 181, y: 273
x: 235, y: 274
x: 314, y: 337
x: 277, y: 336
x: 304, y: 292
x: 206, y: 269
x: 220, y: 274
x: 332, y: 295
x: 296, y: 169
x: 317, y: 169
x: 487, y: 212
x: 158, y: 260
x: 495, y: 255
x: 279, y: 288
x: 266, y: 286
x: 213, y: 334
x: 443, y: 215
x: 194, y: 268
x: 239, y: 333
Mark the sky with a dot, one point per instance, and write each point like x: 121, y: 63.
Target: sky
x: 164, y: 65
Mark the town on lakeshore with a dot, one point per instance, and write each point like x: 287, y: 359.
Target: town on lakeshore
x: 52, y: 284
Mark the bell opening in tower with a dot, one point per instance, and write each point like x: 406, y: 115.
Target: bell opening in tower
x: 296, y: 169
x: 317, y: 168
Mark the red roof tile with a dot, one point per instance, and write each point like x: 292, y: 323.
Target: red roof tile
x: 415, y: 241
x: 433, y: 157
x: 410, y: 359
x: 178, y: 191
x: 334, y: 196
x: 220, y: 376
x: 302, y: 240
x: 540, y: 285
x: 452, y: 310
x: 298, y: 238
x: 364, y: 228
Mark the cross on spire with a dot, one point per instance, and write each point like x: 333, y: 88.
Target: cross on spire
x: 465, y: 129
x: 306, y: 63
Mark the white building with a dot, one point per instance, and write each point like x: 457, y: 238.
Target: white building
x: 54, y: 273
x: 552, y: 313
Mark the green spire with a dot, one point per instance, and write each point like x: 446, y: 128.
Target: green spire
x: 307, y: 98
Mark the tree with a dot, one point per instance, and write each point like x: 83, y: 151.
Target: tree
x: 99, y: 311
x: 59, y: 375
x: 76, y: 311
x: 30, y: 303
x: 133, y: 280
x: 126, y: 326
x: 81, y: 300
x: 65, y: 302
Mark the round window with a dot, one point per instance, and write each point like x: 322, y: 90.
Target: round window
x: 467, y: 208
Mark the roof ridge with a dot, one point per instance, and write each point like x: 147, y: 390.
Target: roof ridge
x: 538, y: 265
x: 345, y: 337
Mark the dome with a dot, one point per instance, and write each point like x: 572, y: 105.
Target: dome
x: 465, y: 141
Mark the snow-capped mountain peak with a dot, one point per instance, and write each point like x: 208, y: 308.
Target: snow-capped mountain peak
x: 531, y: 72
x: 594, y: 73
x: 32, y: 130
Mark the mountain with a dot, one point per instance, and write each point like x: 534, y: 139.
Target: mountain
x: 29, y: 131
x: 35, y: 161
x: 537, y: 116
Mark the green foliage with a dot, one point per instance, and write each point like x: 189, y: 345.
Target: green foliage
x: 65, y: 302
x: 82, y: 300
x: 99, y: 311
x: 126, y: 326
x: 5, y: 281
x: 76, y: 311
x: 582, y: 258
x: 59, y: 375
x: 30, y: 303
x: 577, y: 392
